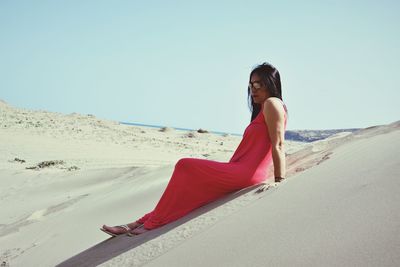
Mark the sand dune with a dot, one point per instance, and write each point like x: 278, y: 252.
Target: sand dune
x: 107, y: 173
x: 341, y: 212
x: 344, y: 212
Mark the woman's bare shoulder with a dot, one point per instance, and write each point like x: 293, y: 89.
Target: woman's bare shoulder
x: 273, y: 103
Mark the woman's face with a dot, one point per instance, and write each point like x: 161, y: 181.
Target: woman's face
x: 258, y: 90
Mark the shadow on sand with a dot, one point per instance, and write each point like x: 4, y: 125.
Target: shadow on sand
x: 115, y: 246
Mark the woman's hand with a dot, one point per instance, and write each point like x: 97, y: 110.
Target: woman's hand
x: 265, y: 187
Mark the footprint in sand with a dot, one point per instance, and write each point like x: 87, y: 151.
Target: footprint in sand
x: 325, y: 157
x: 37, y: 215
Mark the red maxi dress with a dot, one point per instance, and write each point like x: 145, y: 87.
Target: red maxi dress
x: 196, y: 182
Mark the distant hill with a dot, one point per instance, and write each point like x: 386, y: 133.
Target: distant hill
x: 314, y: 135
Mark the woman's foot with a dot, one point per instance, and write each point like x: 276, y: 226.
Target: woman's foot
x: 138, y: 230
x: 121, y: 229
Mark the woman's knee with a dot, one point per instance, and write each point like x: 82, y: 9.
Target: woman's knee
x: 181, y: 163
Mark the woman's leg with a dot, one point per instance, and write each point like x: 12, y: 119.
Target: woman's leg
x: 194, y: 182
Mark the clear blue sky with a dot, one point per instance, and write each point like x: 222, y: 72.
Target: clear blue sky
x: 187, y: 63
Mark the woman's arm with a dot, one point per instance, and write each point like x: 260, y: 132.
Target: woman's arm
x: 274, y: 115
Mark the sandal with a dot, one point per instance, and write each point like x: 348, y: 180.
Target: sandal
x: 124, y: 226
x: 130, y: 233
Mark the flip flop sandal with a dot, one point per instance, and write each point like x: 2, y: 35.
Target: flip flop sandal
x: 124, y: 226
x: 129, y: 233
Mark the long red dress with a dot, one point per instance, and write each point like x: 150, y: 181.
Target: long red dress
x: 196, y: 182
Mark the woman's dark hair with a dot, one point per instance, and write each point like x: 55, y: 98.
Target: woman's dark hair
x: 271, y: 78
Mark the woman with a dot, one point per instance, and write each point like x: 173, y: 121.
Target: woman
x: 196, y: 182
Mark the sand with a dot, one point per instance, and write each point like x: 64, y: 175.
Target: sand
x: 338, y: 206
